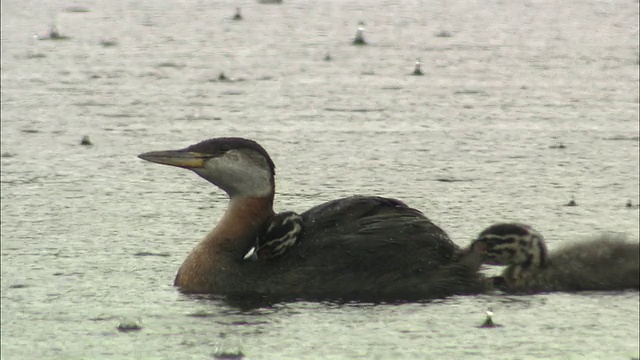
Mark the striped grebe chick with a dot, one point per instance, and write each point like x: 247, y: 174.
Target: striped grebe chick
x: 605, y: 263
x: 280, y: 234
x: 361, y: 248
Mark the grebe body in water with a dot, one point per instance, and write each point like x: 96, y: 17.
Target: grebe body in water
x: 606, y: 264
x: 357, y: 248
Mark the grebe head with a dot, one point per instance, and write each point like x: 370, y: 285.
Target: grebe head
x: 511, y: 244
x: 240, y: 167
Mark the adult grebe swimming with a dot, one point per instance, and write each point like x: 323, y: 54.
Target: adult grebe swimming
x: 600, y: 264
x: 355, y: 248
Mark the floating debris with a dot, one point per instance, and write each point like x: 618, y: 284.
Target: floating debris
x: 54, y: 34
x: 354, y: 110
x: 328, y: 57
x: 228, y: 355
x: 416, y: 70
x: 444, y: 34
x: 86, y: 141
x: 630, y: 205
x: 238, y: 15
x: 470, y: 92
x: 35, y: 55
x: 557, y: 146
x: 129, y: 325
x: 108, y: 42
x: 359, y: 39
x: 76, y: 9
x: 488, y: 321
x: 201, y: 314
x: 224, y: 78
x: 631, y: 138
x: 571, y: 202
x: 146, y: 253
x: 168, y: 64
x: 444, y: 179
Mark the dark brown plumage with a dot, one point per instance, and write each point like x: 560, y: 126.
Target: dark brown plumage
x: 357, y: 248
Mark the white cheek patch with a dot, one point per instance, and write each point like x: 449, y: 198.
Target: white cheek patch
x: 239, y: 173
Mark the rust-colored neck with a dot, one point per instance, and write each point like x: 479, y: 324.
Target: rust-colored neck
x: 215, y: 262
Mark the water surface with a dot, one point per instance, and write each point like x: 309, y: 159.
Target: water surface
x: 92, y: 236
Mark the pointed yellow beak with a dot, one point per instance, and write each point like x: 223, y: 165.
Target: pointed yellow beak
x: 183, y: 159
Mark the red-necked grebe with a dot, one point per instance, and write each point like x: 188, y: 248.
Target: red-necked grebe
x: 355, y: 248
x: 606, y: 263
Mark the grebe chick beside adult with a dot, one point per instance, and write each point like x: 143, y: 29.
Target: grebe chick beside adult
x: 605, y: 263
x: 280, y: 234
x: 360, y: 248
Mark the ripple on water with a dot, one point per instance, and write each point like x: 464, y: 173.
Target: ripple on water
x: 93, y: 237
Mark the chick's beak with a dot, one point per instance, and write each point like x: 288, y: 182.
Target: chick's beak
x: 179, y: 158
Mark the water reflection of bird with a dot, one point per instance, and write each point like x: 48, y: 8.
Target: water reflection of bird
x: 606, y: 263
x: 355, y: 248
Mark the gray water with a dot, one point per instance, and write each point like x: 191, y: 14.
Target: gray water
x: 92, y: 236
